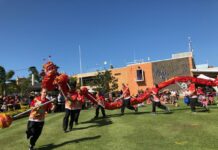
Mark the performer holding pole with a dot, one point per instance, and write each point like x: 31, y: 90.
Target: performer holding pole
x: 78, y: 105
x: 36, y: 118
x: 73, y: 105
x: 69, y: 111
x: 100, y: 100
x: 126, y: 99
x: 192, y: 93
x: 155, y: 98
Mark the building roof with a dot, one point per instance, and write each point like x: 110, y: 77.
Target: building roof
x: 214, y: 69
x: 210, y: 72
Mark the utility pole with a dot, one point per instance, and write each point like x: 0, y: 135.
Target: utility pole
x: 80, y: 64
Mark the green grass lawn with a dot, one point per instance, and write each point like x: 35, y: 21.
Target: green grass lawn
x: 180, y: 130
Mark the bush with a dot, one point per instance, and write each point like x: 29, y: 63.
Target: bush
x: 15, y: 112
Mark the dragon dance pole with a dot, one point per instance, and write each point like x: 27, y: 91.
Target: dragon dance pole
x: 93, y: 98
x: 6, y: 120
x: 20, y: 114
x: 65, y: 97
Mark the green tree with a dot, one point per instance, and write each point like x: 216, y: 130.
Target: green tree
x: 105, y: 82
x: 24, y: 86
x: 12, y: 87
x: 5, y: 77
x: 73, y: 82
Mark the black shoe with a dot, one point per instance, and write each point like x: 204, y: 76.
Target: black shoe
x: 206, y: 108
x: 65, y: 131
x: 153, y: 113
x: 167, y: 110
x: 31, y: 147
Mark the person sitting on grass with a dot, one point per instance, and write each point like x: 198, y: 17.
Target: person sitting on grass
x: 4, y: 107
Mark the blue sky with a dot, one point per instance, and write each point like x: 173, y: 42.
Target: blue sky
x: 116, y: 31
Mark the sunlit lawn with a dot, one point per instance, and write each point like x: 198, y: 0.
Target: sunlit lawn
x: 180, y: 130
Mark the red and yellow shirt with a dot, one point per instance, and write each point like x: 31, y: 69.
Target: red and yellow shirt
x: 192, y: 91
x: 155, y: 95
x: 38, y: 114
x: 75, y: 102
x: 100, y: 99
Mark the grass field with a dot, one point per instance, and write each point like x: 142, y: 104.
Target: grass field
x: 180, y: 130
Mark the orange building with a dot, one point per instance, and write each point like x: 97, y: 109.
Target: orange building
x: 141, y: 75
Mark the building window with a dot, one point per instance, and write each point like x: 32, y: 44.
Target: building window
x: 139, y: 75
x: 117, y: 74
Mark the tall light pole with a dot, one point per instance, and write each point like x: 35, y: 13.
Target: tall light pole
x: 33, y: 79
x: 80, y: 64
x: 190, y: 44
x: 105, y: 63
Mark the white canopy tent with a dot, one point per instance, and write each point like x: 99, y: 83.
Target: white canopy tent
x: 202, y: 76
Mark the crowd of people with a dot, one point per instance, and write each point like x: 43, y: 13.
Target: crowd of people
x: 10, y: 103
x: 199, y: 96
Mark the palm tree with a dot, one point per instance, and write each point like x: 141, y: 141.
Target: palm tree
x: 23, y: 86
x: 73, y: 82
x: 4, y: 78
